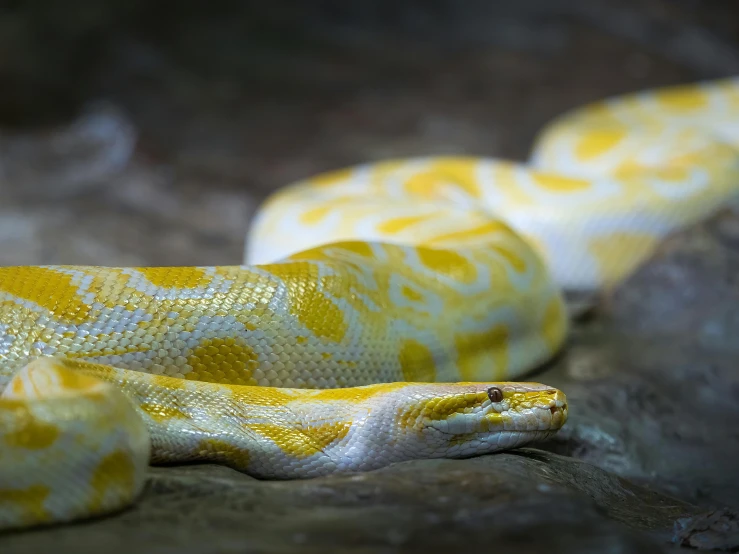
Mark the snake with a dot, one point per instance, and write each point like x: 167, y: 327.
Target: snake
x: 385, y: 312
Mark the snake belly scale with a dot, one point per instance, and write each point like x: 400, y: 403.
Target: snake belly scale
x: 385, y: 315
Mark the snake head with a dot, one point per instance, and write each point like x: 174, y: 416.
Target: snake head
x: 466, y: 419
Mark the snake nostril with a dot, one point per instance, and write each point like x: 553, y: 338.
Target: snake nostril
x: 553, y: 409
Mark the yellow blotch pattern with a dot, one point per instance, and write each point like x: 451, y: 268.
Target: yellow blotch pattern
x: 223, y: 361
x: 411, y: 294
x: 321, y: 436
x: 618, y: 254
x: 416, y: 362
x: 440, y: 407
x: 259, y: 396
x: 448, y: 263
x: 477, y: 232
x: 308, y: 304
x: 51, y: 377
x: 30, y: 432
x: 175, y: 277
x: 74, y: 380
x: 216, y: 450
x: 47, y: 288
x: 558, y: 183
x: 483, y: 356
x: 457, y: 171
x: 162, y: 412
x: 399, y: 224
x: 311, y: 217
x: 589, y: 145
x: 516, y: 261
x: 304, y: 441
x: 328, y: 253
x: 682, y: 99
x: 113, y: 478
x: 677, y: 173
x: 356, y: 247
x: 30, y: 502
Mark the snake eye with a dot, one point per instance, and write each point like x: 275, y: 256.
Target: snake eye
x: 495, y: 394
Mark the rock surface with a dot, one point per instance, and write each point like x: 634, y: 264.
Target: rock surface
x: 496, y: 502
x: 648, y: 459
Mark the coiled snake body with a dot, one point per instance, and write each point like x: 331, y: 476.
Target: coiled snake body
x: 389, y: 307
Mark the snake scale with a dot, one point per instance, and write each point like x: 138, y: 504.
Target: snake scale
x: 386, y: 312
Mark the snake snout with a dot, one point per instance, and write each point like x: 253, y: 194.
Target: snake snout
x: 558, y: 408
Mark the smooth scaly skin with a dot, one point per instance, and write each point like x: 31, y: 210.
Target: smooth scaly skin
x: 418, y: 285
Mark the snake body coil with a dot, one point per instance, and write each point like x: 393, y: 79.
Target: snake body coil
x: 387, y: 308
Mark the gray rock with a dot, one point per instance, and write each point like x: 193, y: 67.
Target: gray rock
x: 495, y: 502
x: 714, y: 530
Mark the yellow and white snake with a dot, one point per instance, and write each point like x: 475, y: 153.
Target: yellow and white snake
x: 389, y: 307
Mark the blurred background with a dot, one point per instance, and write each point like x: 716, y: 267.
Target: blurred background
x: 147, y: 133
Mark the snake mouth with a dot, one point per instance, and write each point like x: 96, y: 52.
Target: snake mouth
x: 547, y: 419
x: 559, y: 416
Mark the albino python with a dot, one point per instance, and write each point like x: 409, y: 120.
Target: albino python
x: 390, y: 306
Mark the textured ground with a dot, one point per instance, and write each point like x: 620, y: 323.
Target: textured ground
x: 216, y: 112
